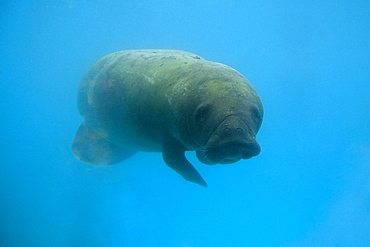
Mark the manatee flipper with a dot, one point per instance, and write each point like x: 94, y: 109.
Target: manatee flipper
x: 174, y: 155
x: 91, y: 148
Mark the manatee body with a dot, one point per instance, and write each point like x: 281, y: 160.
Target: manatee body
x: 166, y: 101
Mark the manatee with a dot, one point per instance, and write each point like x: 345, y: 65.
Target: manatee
x: 167, y: 101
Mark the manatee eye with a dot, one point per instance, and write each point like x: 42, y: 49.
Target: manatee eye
x: 256, y: 114
x: 202, y: 112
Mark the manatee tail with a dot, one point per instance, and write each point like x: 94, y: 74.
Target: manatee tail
x: 91, y: 148
x: 174, y: 155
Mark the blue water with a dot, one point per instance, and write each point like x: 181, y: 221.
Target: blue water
x: 310, y: 186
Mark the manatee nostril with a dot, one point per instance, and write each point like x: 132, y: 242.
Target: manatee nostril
x: 227, y: 131
x: 239, y: 130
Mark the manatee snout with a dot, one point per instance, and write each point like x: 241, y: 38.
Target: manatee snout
x: 233, y: 152
x: 232, y: 141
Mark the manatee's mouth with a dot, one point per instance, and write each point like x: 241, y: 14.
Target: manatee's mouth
x: 228, y: 153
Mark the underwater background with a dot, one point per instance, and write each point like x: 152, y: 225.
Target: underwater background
x: 310, y: 186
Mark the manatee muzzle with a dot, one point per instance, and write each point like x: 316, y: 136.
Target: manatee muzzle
x: 232, y: 141
x: 233, y: 152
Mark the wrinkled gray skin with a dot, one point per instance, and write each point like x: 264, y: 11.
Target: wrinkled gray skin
x: 166, y: 101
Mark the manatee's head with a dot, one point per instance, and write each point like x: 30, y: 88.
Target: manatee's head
x: 226, y: 121
x: 223, y: 114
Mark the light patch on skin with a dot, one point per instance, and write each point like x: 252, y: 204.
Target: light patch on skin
x: 149, y: 79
